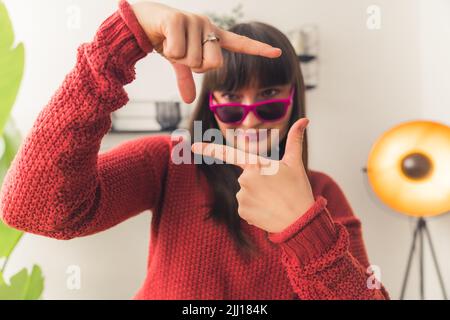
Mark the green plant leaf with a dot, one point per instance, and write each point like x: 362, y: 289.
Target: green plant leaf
x: 9, y: 239
x: 9, y: 144
x: 11, y: 67
x: 7, y: 37
x: 23, y: 286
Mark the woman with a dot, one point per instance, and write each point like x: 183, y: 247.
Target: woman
x: 219, y: 231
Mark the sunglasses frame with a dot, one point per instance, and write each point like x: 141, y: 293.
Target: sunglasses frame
x: 251, y: 107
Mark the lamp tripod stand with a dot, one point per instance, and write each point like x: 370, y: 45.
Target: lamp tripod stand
x: 420, y: 230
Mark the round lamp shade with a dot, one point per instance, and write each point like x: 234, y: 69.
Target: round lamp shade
x: 409, y: 168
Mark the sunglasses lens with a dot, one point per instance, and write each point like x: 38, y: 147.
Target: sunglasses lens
x: 271, y: 111
x: 230, y: 114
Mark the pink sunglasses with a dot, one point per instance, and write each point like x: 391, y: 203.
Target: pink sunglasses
x: 266, y: 111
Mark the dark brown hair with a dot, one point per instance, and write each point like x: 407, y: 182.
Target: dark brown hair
x: 241, y: 71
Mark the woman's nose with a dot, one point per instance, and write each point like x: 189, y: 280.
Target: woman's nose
x: 250, y: 121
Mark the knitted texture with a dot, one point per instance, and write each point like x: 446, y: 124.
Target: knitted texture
x: 59, y: 185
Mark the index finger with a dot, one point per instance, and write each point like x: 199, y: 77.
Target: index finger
x: 226, y: 154
x: 242, y: 44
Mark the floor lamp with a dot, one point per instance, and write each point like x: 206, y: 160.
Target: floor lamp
x: 409, y: 171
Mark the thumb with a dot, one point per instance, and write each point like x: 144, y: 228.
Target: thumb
x: 185, y: 81
x: 294, y: 143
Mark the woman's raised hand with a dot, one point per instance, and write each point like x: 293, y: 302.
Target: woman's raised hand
x: 271, y: 201
x: 178, y: 35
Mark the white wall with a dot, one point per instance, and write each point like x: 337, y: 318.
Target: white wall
x: 435, y: 71
x: 369, y: 81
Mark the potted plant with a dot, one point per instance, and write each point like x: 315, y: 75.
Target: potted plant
x: 22, y: 285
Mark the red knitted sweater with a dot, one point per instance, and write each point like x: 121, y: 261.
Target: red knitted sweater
x: 60, y: 186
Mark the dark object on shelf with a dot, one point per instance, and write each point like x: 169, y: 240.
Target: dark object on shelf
x: 305, y: 58
x: 310, y: 87
x: 309, y: 65
x: 168, y: 115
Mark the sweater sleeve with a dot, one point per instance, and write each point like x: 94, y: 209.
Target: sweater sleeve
x: 323, y: 251
x: 58, y: 184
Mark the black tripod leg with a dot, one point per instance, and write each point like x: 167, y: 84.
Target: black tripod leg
x: 421, y: 265
x: 441, y: 281
x: 408, y: 266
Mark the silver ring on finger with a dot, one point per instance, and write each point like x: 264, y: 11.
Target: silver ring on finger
x: 211, y: 37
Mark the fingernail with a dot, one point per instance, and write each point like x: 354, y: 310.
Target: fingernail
x: 196, y: 147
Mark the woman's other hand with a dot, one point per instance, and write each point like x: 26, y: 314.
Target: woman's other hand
x: 178, y: 36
